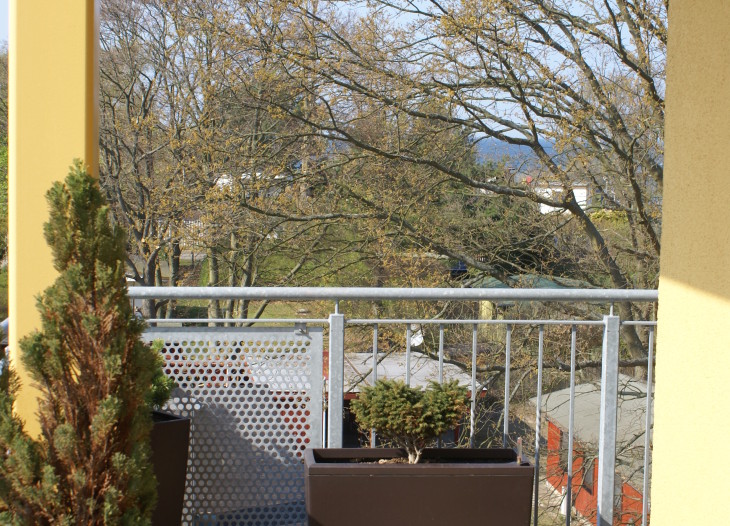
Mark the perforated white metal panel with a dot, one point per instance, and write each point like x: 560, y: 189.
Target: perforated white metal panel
x: 254, y: 396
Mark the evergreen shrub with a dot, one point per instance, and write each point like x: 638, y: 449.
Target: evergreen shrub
x: 410, y: 417
x: 90, y: 465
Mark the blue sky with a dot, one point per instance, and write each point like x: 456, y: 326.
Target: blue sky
x: 4, y: 20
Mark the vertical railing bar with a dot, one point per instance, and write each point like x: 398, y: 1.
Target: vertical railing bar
x: 335, y: 402
x: 409, y: 335
x: 325, y: 438
x: 373, y: 438
x: 374, y: 375
x: 538, y: 422
x: 571, y: 419
x: 508, y: 347
x: 472, y: 411
x: 439, y: 443
x: 647, y: 435
x: 441, y: 353
x: 608, y: 421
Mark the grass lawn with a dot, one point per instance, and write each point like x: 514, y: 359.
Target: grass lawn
x: 274, y: 310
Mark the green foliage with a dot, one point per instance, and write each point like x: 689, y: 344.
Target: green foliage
x: 610, y: 217
x: 162, y: 385
x: 409, y: 417
x: 91, y: 463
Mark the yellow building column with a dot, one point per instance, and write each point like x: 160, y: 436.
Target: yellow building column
x: 53, y: 119
x: 692, y: 418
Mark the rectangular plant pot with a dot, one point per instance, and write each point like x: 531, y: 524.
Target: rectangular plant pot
x: 170, y: 437
x: 450, y: 486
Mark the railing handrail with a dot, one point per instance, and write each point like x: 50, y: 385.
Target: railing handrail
x: 395, y: 293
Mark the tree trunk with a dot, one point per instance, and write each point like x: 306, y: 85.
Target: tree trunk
x: 213, y: 307
x: 232, y: 277
x: 174, y: 274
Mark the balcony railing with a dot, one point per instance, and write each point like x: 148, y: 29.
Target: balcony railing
x: 261, y: 382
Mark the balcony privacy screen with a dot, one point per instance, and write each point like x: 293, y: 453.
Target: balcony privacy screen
x: 254, y: 396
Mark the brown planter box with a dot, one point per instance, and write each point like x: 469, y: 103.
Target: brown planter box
x: 450, y: 486
x: 170, y: 437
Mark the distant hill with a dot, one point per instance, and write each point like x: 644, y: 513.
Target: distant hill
x: 490, y: 149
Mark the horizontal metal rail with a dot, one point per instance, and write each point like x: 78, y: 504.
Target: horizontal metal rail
x: 387, y: 321
x: 444, y: 321
x: 375, y: 293
x: 237, y: 320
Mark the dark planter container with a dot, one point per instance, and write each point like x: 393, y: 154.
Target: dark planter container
x: 170, y: 437
x: 449, y: 486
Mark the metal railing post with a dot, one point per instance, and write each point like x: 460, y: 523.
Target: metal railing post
x: 409, y: 334
x: 648, y: 430
x: 335, y: 399
x: 609, y: 411
x: 508, y: 351
x: 538, y: 424
x: 473, y: 408
x: 374, y: 377
x: 571, y: 426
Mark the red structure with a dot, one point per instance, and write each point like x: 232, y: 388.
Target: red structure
x: 585, y: 479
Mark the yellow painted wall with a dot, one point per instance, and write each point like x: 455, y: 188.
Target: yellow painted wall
x: 53, y: 119
x: 692, y: 419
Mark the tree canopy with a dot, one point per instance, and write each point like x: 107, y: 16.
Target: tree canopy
x: 324, y: 129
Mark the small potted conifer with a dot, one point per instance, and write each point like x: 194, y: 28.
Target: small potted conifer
x: 91, y: 463
x: 411, y: 483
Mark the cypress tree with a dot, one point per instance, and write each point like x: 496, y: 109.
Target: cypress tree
x: 90, y: 464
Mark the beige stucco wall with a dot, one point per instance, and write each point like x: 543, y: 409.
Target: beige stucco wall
x: 53, y: 119
x: 692, y: 420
